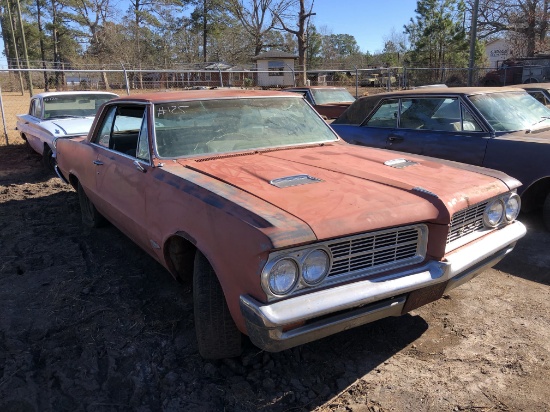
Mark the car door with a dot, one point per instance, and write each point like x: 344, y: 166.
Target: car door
x: 436, y: 126
x: 121, y: 163
x: 28, y: 125
x: 376, y: 130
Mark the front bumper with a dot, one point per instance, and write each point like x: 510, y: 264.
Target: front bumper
x: 328, y: 311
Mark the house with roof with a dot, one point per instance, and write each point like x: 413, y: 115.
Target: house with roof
x: 275, y: 68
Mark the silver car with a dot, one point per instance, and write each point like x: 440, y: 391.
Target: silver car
x: 54, y: 115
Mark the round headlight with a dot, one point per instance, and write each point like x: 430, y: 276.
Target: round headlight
x: 513, y: 206
x: 283, y: 276
x: 315, y: 267
x: 494, y: 212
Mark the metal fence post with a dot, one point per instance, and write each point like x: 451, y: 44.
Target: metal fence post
x: 356, y: 83
x: 3, y: 117
x: 126, y: 80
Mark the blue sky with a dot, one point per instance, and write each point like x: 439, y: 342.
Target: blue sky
x: 369, y: 21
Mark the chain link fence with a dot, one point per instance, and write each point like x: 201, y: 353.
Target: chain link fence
x: 122, y: 80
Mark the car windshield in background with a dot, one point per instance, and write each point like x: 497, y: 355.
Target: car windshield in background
x: 507, y: 112
x: 199, y: 127
x: 60, y: 106
x: 324, y: 96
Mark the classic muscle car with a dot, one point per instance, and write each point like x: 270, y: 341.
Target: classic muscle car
x: 58, y: 114
x: 500, y: 128
x: 330, y: 102
x: 287, y: 233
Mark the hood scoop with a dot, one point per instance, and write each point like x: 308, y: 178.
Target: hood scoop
x: 295, y: 180
x: 400, y: 163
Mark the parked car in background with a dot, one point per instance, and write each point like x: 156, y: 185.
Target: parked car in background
x: 329, y: 102
x: 540, y: 91
x: 500, y: 128
x: 54, y: 115
x: 287, y: 233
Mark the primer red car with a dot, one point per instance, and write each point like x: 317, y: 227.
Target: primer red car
x: 287, y: 233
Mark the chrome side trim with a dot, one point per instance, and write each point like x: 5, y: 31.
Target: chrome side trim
x: 60, y: 175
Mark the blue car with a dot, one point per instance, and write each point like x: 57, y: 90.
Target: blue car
x: 499, y: 128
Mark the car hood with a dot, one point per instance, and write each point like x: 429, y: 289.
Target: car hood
x: 68, y: 127
x: 350, y: 189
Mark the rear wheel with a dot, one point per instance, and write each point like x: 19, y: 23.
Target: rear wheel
x: 217, y: 334
x: 90, y: 216
x: 546, y: 212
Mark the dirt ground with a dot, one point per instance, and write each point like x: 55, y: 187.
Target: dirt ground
x: 89, y: 322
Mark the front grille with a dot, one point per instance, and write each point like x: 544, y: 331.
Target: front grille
x: 378, y: 251
x: 466, y: 221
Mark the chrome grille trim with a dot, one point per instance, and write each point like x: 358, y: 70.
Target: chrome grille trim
x: 378, y: 251
x: 357, y: 257
x: 466, y: 221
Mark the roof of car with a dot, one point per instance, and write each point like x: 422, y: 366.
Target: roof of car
x: 203, y: 95
x: 312, y: 87
x: 532, y: 86
x: 468, y: 91
x: 75, y: 93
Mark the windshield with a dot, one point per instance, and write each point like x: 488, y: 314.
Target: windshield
x: 510, y: 111
x: 60, y: 106
x: 188, y: 128
x: 324, y: 96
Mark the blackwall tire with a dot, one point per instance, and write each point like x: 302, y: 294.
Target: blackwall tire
x: 48, y: 161
x: 217, y: 334
x: 90, y: 216
x: 546, y: 212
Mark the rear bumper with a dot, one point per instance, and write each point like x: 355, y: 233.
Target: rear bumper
x: 333, y: 310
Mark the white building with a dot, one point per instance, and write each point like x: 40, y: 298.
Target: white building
x: 275, y: 68
x: 497, y: 51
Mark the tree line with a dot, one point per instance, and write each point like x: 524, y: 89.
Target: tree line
x: 165, y: 33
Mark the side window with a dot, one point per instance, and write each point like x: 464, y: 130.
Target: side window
x: 386, y: 115
x: 143, y: 142
x: 104, y: 136
x: 469, y: 124
x: 37, y: 108
x: 309, y: 98
x: 540, y: 97
x: 120, y: 129
x: 432, y: 113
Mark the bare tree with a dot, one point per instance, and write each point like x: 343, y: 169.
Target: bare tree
x: 258, y: 18
x: 527, y: 19
x: 299, y: 32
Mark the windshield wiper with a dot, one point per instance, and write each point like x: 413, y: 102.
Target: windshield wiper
x: 64, y: 116
x: 543, y: 118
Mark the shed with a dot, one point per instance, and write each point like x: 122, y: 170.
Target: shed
x: 275, y: 68
x: 497, y: 51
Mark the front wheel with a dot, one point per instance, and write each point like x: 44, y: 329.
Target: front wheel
x: 546, y: 212
x: 90, y: 216
x: 217, y: 334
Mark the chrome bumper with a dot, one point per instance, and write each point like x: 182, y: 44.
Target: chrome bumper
x: 339, y: 308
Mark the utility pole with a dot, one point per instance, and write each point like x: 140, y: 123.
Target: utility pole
x: 15, y: 48
x: 29, y: 80
x: 473, y: 37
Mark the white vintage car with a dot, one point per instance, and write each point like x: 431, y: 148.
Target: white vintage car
x: 58, y: 114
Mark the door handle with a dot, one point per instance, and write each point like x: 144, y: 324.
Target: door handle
x: 98, y: 162
x: 395, y: 139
